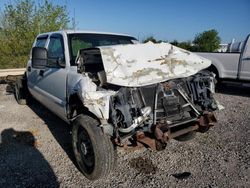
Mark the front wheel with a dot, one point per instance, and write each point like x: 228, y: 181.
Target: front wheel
x: 94, y: 151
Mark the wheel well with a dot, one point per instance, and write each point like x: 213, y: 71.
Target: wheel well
x: 76, y: 107
x: 213, y: 69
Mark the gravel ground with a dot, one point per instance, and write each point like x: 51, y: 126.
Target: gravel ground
x: 35, y: 151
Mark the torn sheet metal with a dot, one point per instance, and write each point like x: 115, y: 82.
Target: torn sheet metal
x: 96, y: 101
x: 144, y: 64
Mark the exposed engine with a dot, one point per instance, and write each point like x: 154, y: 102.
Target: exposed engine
x: 172, y: 103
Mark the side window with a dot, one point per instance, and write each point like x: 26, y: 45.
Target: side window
x: 55, y: 51
x: 40, y: 42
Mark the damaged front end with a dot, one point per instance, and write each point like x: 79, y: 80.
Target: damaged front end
x: 165, y: 110
x: 176, y: 99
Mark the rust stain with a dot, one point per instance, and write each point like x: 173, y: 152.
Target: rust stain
x: 170, y: 62
x: 186, y: 52
x: 145, y: 140
x: 146, y: 72
x: 92, y: 102
x: 131, y: 61
x: 206, y: 121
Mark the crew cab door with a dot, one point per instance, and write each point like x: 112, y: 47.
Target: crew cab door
x: 49, y: 84
x: 245, y: 61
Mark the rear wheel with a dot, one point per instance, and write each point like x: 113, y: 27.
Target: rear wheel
x: 93, y: 149
x: 20, y: 92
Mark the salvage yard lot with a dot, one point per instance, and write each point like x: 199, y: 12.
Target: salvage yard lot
x: 35, y: 150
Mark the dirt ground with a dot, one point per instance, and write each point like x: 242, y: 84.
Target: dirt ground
x: 35, y: 151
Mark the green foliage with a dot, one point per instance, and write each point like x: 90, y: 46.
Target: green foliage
x: 21, y: 22
x: 185, y: 45
x: 152, y: 39
x: 79, y: 44
x: 207, y: 41
x: 175, y: 43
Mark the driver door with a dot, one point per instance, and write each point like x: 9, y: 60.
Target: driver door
x: 50, y: 83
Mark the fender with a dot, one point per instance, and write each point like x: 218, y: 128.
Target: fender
x: 218, y: 66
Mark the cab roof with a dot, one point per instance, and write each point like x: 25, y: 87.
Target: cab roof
x: 84, y: 31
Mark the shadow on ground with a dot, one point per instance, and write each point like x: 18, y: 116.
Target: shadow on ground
x: 21, y: 164
x: 59, y: 129
x: 233, y: 89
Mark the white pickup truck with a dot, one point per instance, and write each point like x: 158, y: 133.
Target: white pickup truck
x: 116, y: 92
x: 233, y: 64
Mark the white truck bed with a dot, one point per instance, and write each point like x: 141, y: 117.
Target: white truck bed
x: 226, y: 63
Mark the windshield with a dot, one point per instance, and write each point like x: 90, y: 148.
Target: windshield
x: 81, y: 41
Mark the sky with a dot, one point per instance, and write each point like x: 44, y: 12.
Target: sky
x: 162, y: 19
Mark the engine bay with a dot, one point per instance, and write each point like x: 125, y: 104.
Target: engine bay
x: 172, y: 103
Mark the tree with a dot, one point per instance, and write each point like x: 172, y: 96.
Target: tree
x: 185, y: 45
x: 174, y: 42
x: 207, y: 41
x: 152, y: 39
x: 20, y: 24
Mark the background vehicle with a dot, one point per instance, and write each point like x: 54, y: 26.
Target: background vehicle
x: 233, y: 64
x: 118, y: 93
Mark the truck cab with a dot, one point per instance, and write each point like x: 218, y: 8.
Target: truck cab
x: 48, y: 85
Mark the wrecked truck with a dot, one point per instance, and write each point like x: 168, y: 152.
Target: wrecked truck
x: 116, y: 92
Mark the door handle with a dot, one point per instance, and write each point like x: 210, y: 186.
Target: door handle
x: 29, y: 68
x: 41, y: 72
x: 246, y: 58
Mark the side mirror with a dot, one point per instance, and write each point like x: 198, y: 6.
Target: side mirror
x: 39, y: 57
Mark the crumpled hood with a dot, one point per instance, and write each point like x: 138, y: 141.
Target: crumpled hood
x: 136, y: 65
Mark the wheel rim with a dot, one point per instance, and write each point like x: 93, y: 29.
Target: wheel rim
x: 85, y: 148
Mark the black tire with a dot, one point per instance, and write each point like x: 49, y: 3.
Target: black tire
x: 19, y: 92
x: 186, y: 137
x: 94, y: 151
